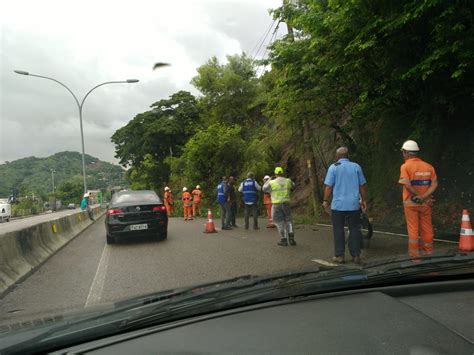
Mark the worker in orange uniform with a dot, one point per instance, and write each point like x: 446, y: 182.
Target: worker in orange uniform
x: 168, y: 198
x: 197, y: 197
x: 267, y: 201
x: 419, y: 182
x: 187, y: 199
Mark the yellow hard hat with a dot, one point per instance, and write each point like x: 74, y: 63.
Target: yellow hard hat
x: 278, y: 170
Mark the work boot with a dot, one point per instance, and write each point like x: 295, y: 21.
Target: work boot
x: 255, y: 227
x: 291, y: 237
x: 356, y: 259
x: 283, y: 242
x: 338, y: 259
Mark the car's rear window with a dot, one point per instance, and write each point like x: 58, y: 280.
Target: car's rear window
x: 142, y: 197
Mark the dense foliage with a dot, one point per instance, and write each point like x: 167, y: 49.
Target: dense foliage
x: 365, y: 74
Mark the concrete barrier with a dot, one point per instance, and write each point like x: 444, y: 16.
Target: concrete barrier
x: 24, y: 250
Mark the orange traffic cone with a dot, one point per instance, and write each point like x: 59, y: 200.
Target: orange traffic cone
x: 466, y: 239
x: 210, y: 224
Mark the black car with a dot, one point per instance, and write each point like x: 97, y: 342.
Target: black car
x: 136, y: 212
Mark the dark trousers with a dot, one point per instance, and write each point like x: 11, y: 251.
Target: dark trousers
x: 355, y: 235
x: 225, y: 214
x: 254, y: 209
x: 233, y: 212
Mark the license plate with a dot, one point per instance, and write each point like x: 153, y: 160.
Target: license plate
x: 138, y: 227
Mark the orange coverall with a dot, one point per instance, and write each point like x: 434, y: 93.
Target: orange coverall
x: 168, y: 197
x: 420, y: 176
x: 187, y: 205
x: 197, y: 196
x: 267, y: 201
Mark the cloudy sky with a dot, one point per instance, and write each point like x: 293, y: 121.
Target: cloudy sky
x: 89, y: 42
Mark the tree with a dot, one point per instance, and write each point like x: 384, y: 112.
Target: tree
x: 210, y: 154
x: 228, y: 90
x: 152, y: 136
x: 376, y: 73
x: 70, y: 191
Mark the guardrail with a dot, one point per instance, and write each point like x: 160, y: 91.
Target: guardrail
x: 24, y: 250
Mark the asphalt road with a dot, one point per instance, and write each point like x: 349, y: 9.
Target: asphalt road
x: 87, y: 271
x: 20, y: 223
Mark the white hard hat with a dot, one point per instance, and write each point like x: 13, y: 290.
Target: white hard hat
x: 410, y: 146
x: 87, y: 194
x: 266, y: 177
x: 167, y: 188
x: 198, y: 186
x: 185, y: 189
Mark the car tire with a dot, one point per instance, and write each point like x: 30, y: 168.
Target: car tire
x: 163, y: 235
x: 110, y: 239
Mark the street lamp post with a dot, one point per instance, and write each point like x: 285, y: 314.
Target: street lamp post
x: 79, y: 106
x: 54, y: 192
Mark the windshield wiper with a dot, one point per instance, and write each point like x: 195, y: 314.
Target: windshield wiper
x: 254, y: 291
x: 408, y: 265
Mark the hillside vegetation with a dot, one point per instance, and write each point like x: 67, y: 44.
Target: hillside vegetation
x: 33, y: 175
x: 364, y: 74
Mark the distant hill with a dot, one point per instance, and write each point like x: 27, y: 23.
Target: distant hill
x: 35, y: 173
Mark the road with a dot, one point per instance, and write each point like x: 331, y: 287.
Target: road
x: 20, y: 223
x: 88, y: 272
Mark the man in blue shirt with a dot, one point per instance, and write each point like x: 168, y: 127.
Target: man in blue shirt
x: 346, y: 182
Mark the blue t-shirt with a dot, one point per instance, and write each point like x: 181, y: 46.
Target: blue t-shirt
x: 345, y: 177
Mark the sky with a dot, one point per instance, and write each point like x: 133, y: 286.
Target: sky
x: 83, y: 44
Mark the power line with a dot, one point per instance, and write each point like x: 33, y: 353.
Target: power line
x: 272, y: 40
x: 262, y: 40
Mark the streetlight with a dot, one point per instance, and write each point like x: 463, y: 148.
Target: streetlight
x: 54, y: 194
x: 79, y: 106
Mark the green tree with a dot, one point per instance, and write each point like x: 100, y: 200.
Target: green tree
x: 376, y: 73
x: 70, y: 191
x: 152, y: 136
x: 228, y: 90
x: 210, y: 154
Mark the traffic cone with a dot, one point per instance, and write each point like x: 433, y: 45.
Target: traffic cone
x: 466, y: 239
x: 210, y: 228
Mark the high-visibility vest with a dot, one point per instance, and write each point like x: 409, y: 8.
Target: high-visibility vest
x: 280, y: 191
x: 221, y: 193
x: 249, y: 190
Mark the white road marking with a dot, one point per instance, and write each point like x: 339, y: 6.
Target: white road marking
x: 324, y: 262
x: 396, y: 234
x: 97, y: 286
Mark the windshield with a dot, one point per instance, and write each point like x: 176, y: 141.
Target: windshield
x: 153, y: 146
x: 132, y: 197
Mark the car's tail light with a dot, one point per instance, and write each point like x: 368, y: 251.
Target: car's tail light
x: 112, y: 211
x: 160, y: 208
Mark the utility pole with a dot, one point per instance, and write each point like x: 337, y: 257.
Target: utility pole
x: 307, y: 144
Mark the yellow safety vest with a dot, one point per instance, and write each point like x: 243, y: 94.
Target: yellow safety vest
x: 280, y: 191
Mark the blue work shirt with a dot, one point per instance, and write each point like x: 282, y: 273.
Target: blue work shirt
x: 345, y: 177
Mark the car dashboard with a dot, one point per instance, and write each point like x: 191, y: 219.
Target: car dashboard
x: 426, y: 318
